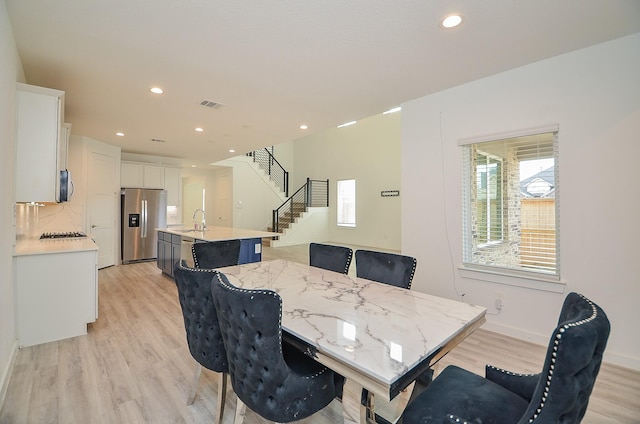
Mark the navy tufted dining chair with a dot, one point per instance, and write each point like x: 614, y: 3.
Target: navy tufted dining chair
x: 332, y: 258
x: 216, y: 254
x: 387, y: 268
x: 558, y: 394
x: 203, y: 331
x: 276, y: 381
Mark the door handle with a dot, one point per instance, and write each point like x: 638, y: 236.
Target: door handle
x: 144, y: 218
x: 93, y: 226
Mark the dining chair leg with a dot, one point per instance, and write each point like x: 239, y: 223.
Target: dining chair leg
x: 194, y: 384
x: 241, y: 410
x: 222, y: 395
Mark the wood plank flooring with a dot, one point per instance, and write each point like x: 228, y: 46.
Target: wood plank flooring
x: 134, y: 365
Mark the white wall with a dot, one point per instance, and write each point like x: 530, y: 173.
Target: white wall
x: 10, y: 73
x: 254, y: 198
x: 368, y: 151
x: 193, y: 181
x: 594, y: 96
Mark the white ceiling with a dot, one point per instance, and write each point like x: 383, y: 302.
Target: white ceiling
x: 275, y: 64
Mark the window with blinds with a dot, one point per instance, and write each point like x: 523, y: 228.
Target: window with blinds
x: 510, y: 205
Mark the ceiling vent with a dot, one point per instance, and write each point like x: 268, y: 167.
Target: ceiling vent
x: 209, y: 103
x: 158, y: 140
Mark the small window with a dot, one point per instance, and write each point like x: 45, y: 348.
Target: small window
x: 346, y: 203
x: 510, y: 216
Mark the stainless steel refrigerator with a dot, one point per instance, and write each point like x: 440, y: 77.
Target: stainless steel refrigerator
x: 143, y: 210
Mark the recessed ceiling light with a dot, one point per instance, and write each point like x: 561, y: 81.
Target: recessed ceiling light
x: 199, y: 129
x: 156, y: 90
x: 451, y: 21
x: 232, y: 151
x: 120, y: 134
x: 304, y: 126
x: 193, y: 166
x: 346, y: 124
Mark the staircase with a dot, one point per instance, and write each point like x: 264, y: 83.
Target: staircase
x: 314, y: 193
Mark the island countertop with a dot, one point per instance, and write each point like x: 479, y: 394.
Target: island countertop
x: 215, y: 233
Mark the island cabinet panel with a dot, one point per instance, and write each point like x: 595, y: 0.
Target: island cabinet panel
x: 169, y: 248
x: 250, y: 250
x: 57, y: 295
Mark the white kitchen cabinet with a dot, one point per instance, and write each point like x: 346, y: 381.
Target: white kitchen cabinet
x: 57, y: 295
x: 173, y: 185
x: 140, y: 175
x: 153, y: 176
x: 131, y: 175
x: 39, y: 139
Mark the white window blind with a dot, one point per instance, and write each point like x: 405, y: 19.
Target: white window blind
x: 511, y: 204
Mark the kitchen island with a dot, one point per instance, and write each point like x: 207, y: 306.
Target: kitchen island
x: 56, y: 286
x: 174, y: 244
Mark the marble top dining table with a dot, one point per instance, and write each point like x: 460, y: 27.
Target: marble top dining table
x: 380, y: 336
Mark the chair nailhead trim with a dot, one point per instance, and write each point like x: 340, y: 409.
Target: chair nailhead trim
x: 554, y: 355
x: 346, y: 266
x: 186, y: 268
x: 193, y: 255
x: 413, y: 271
x: 510, y: 372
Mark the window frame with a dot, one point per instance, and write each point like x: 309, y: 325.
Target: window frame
x: 340, y: 205
x: 518, y: 276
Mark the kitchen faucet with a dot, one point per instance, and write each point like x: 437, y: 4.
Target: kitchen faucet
x: 204, y: 222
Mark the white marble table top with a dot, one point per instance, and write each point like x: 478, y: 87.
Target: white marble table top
x: 216, y: 233
x: 378, y: 330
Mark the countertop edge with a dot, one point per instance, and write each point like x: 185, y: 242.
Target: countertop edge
x: 46, y: 247
x: 215, y: 233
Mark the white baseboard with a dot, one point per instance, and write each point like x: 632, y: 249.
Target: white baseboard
x: 7, y: 372
x: 610, y: 357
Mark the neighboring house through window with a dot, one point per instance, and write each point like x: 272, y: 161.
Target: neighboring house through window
x: 346, y: 210
x: 510, y: 207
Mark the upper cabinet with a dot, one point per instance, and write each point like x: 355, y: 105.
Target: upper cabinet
x: 143, y: 175
x: 173, y: 185
x: 40, y: 154
x: 139, y: 175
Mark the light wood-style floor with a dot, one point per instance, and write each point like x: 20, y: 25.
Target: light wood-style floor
x: 134, y: 365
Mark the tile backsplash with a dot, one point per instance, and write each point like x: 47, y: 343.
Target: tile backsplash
x: 34, y: 219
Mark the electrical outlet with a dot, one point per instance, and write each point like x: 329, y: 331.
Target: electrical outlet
x: 499, y: 300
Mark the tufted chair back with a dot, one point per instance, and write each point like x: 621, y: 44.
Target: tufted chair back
x: 559, y: 394
x: 200, y: 319
x: 203, y: 330
x: 387, y: 268
x: 572, y: 363
x: 332, y: 258
x: 216, y: 254
x: 281, y: 386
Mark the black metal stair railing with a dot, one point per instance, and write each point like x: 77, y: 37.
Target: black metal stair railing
x: 314, y: 193
x: 269, y: 164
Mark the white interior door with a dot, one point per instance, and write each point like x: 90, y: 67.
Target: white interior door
x: 223, y: 194
x: 102, y: 197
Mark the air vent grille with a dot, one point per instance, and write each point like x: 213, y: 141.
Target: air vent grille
x: 210, y: 104
x: 158, y: 140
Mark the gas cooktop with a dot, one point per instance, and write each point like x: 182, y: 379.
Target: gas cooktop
x: 68, y: 234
